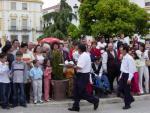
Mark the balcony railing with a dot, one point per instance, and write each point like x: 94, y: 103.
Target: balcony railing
x: 39, y: 30
x: 22, y: 29
x: 13, y: 28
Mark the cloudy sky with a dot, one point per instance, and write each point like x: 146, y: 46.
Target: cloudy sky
x: 48, y: 3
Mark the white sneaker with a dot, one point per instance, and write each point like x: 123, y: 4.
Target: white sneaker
x: 35, y: 102
x: 47, y: 100
x: 41, y: 101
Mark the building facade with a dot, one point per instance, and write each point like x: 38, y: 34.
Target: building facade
x: 20, y: 19
x: 75, y: 4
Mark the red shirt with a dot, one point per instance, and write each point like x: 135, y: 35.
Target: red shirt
x: 95, y: 52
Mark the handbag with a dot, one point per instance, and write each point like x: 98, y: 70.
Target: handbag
x: 147, y: 62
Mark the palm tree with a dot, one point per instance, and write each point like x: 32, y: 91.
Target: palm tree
x: 58, y: 22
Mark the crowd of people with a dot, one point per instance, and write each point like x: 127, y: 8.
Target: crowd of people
x: 26, y: 69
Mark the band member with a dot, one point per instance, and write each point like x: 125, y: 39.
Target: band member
x: 128, y: 69
x: 82, y: 79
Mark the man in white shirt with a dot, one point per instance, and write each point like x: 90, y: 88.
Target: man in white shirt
x: 82, y: 79
x: 128, y: 69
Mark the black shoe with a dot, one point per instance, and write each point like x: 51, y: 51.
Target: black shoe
x: 132, y: 100
x: 23, y: 105
x: 126, y: 107
x: 74, y: 109
x: 13, y: 106
x: 96, y: 105
x: 5, y: 107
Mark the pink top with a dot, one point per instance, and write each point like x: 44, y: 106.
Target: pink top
x: 47, y: 73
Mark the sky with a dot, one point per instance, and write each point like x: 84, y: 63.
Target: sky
x: 49, y: 3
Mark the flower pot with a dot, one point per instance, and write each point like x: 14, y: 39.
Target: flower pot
x: 59, y: 89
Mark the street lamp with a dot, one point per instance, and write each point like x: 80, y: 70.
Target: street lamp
x: 75, y: 7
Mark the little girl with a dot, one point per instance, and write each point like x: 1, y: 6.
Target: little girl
x: 47, y: 79
x: 135, y: 81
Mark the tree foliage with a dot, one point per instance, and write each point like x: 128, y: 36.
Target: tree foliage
x: 74, y: 31
x: 58, y: 22
x: 112, y: 17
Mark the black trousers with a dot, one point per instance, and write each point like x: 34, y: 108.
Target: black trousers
x: 80, y: 84
x: 111, y: 77
x: 124, y: 88
x: 28, y: 91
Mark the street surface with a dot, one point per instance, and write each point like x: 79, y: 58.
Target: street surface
x: 137, y: 107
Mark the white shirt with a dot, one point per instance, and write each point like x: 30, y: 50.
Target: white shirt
x: 75, y: 55
x: 40, y: 58
x: 128, y: 66
x: 101, y: 45
x: 142, y: 57
x: 84, y: 62
x: 100, y: 72
x: 104, y: 60
x: 31, y: 54
x: 4, y: 73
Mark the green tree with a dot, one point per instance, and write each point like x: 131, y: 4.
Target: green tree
x: 87, y: 16
x: 58, y: 22
x: 73, y: 31
x: 109, y: 17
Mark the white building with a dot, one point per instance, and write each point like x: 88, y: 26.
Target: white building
x: 54, y: 8
x: 72, y: 3
x: 20, y: 19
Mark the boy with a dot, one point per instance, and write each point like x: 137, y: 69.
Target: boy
x: 4, y: 81
x: 19, y: 72
x: 36, y: 74
x: 99, y: 77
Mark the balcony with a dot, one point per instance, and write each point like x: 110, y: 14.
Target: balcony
x: 26, y: 28
x: 13, y: 28
x: 39, y: 29
x: 22, y: 29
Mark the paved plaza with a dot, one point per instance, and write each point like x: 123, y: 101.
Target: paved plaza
x: 137, y: 107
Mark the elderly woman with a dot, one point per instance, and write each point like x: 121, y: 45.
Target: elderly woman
x: 38, y: 54
x: 46, y: 50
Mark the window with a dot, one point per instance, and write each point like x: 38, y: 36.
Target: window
x: 24, y: 24
x: 25, y: 38
x: 13, y: 5
x: 147, y: 3
x: 41, y: 25
x: 24, y: 6
x: 13, y: 37
x: 13, y: 24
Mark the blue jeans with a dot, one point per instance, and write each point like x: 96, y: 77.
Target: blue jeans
x: 18, y: 94
x: 5, y: 94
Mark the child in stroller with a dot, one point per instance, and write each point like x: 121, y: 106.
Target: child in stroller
x: 99, y: 78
